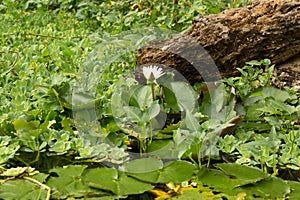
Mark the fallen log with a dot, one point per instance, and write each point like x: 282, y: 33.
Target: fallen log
x: 265, y: 29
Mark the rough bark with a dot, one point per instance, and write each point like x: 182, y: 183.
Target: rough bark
x: 265, y: 29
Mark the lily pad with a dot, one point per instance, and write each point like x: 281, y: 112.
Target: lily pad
x: 175, y: 171
x: 217, y: 180
x: 237, y: 182
x: 69, y: 182
x: 115, y: 181
x: 244, y: 174
x: 146, y: 169
x: 21, y: 189
x: 295, y: 190
x: 271, y: 188
x: 143, y: 165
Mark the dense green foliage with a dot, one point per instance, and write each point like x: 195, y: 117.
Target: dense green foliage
x: 72, y: 117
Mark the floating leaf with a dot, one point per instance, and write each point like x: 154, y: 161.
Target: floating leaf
x: 102, y: 178
x: 271, y: 188
x: 236, y: 179
x: 176, y: 172
x: 117, y: 182
x: 217, y: 180
x: 195, y: 194
x: 295, y: 190
x: 244, y: 174
x: 68, y: 183
x: 143, y: 165
x: 22, y: 189
x: 145, y: 169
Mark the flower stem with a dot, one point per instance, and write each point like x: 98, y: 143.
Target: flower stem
x: 153, y: 92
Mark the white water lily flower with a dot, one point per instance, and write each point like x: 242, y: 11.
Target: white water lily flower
x: 152, y: 73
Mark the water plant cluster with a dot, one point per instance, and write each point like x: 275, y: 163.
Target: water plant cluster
x: 75, y: 124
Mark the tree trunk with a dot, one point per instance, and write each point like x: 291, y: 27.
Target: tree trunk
x: 265, y: 29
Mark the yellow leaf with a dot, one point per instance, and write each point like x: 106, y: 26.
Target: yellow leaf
x: 187, y: 188
x: 130, y: 132
x: 160, y: 195
x: 241, y: 196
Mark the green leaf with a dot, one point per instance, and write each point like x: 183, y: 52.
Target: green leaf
x: 254, y: 62
x: 236, y: 179
x: 143, y: 165
x: 218, y: 98
x: 163, y: 148
x: 151, y: 112
x: 21, y: 189
x: 133, y: 113
x: 82, y: 101
x: 180, y: 95
x: 245, y: 174
x: 275, y: 93
x: 217, y: 180
x: 145, y: 169
x: 271, y: 188
x: 117, y: 182
x: 295, y: 190
x: 128, y: 185
x: 232, y: 176
x: 69, y: 182
x: 176, y: 172
x: 191, y: 122
x: 266, y: 62
x: 18, y: 171
x: 143, y: 96
x: 7, y: 149
x: 21, y: 124
x: 278, y: 105
x: 194, y: 194
x: 253, y: 112
x: 171, y: 100
x: 102, y: 178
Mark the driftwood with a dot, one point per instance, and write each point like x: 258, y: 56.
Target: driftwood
x: 265, y: 29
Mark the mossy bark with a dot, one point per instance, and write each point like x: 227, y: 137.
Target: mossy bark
x: 265, y: 29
